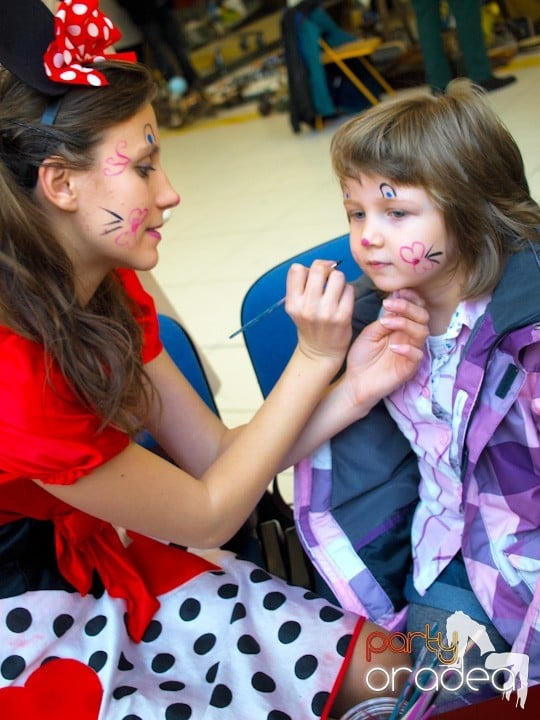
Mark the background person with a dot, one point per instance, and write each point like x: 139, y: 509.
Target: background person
x: 471, y: 42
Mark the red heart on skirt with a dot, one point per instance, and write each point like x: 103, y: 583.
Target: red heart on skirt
x: 59, y: 690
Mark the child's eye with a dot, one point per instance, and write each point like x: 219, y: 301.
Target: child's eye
x: 145, y: 170
x: 398, y: 213
x: 356, y: 215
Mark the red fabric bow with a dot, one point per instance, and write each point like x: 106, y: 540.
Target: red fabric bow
x: 82, y: 34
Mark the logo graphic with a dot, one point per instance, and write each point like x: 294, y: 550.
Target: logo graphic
x: 468, y: 631
x: 506, y: 672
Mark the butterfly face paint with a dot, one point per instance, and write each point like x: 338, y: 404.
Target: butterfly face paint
x: 122, y: 199
x: 124, y: 230
x: 117, y: 163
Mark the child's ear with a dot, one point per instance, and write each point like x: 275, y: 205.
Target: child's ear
x: 56, y: 183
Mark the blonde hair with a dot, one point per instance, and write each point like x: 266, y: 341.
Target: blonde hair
x: 457, y: 149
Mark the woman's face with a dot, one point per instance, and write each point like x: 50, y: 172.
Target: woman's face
x: 120, y: 201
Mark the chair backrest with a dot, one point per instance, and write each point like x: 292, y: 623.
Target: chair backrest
x: 182, y: 350
x: 271, y: 341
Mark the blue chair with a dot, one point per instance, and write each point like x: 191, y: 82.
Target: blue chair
x: 183, y: 352
x: 271, y: 341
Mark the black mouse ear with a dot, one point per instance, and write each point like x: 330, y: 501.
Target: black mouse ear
x: 26, y: 30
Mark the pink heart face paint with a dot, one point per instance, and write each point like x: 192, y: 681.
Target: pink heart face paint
x: 421, y: 259
x: 364, y: 242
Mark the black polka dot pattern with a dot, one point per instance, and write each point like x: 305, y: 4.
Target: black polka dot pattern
x: 153, y: 631
x: 163, y: 662
x: 229, y: 641
x: 172, y: 686
x: 238, y: 612
x: 95, y: 625
x: 178, y: 711
x: 230, y: 590
x: 190, y: 609
x: 212, y: 673
x: 19, y: 620
x: 289, y: 632
x: 263, y: 682
x: 319, y: 701
x: 221, y: 697
x: 12, y: 667
x: 248, y: 645
x: 98, y: 660
x: 343, y: 645
x: 330, y: 614
x: 274, y: 600
x: 124, y: 664
x: 62, y: 624
x: 305, y: 666
x: 204, y: 644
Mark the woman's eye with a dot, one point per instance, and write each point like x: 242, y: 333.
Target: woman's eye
x: 145, y: 170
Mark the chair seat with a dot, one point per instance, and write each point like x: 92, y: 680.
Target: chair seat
x: 353, y: 49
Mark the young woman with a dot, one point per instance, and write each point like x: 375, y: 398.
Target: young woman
x: 96, y: 620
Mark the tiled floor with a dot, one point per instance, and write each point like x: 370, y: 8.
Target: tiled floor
x: 253, y: 194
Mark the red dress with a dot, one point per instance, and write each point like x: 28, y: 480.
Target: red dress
x: 128, y: 592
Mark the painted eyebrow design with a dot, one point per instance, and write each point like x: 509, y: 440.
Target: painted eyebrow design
x: 387, y: 191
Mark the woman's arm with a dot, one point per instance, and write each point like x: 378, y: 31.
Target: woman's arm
x: 227, y: 473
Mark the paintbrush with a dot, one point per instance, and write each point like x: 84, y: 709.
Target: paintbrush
x: 409, y: 692
x: 270, y: 309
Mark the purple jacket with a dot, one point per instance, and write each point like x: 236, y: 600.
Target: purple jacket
x: 497, y: 396
x: 497, y: 392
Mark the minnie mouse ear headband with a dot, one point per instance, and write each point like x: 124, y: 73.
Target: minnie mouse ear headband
x: 51, y: 53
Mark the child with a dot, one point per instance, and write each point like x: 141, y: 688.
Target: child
x: 437, y: 200
x: 95, y: 620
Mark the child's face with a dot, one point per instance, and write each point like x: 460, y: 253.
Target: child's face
x: 397, y: 235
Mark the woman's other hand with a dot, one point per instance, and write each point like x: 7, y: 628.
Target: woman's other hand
x: 388, y: 351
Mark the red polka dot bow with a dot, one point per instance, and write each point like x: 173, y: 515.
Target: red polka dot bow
x: 82, y: 33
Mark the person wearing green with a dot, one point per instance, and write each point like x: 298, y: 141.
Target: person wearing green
x: 467, y: 15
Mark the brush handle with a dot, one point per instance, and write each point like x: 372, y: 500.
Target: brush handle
x: 258, y: 317
x: 268, y: 310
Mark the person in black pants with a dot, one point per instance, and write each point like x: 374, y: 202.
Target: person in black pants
x: 161, y: 31
x: 467, y: 15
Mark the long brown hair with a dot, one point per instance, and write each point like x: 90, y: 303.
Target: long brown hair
x: 98, y: 346
x: 459, y: 151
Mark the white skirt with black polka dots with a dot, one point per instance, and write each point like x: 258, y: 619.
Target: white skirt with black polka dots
x: 234, y: 644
